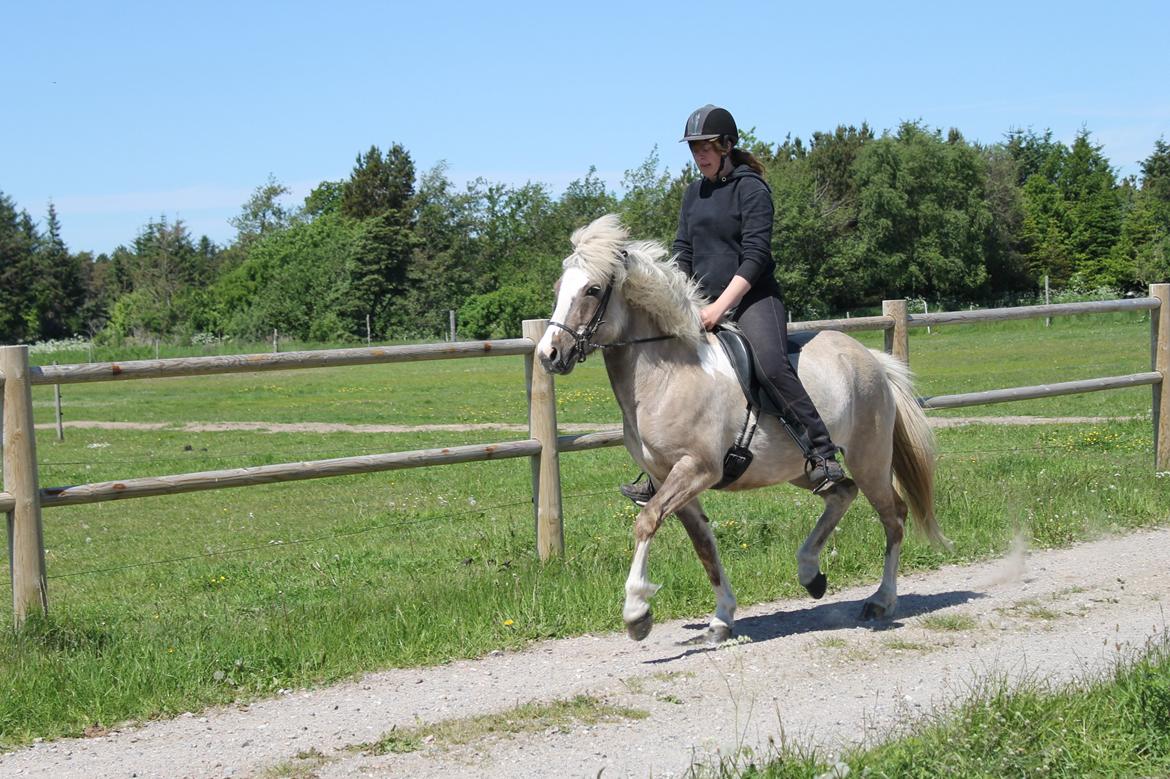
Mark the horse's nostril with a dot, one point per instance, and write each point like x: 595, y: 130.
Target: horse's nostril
x: 552, y: 354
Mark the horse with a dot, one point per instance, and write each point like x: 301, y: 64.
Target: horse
x: 683, y: 408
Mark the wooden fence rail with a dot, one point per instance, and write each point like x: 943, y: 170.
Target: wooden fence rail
x: 23, y: 498
x: 283, y: 361
x: 269, y: 474
x: 1040, y: 391
x: 1032, y: 312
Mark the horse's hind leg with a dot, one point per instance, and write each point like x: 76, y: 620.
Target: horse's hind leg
x: 808, y: 557
x: 892, y: 513
x: 698, y: 528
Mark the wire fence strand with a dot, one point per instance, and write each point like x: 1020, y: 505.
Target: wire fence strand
x: 299, y: 456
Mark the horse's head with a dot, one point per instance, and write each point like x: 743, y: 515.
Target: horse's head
x: 614, y: 290
x: 588, y: 303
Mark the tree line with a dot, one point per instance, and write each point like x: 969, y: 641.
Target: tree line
x: 859, y: 217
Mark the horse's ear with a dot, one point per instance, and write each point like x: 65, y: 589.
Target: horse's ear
x: 625, y: 255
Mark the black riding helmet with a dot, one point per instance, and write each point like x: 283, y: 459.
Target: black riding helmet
x: 711, y: 122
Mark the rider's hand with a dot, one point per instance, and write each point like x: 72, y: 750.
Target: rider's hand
x: 714, y: 313
x: 711, y: 315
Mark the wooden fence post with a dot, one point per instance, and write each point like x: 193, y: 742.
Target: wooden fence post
x: 546, y: 467
x: 1160, y: 362
x: 26, y: 547
x: 898, y: 339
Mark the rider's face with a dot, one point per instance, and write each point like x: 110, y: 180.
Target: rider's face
x: 707, y: 157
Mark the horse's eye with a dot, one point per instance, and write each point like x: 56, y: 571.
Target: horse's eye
x: 593, y: 292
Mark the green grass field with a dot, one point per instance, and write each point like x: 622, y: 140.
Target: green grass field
x: 168, y: 604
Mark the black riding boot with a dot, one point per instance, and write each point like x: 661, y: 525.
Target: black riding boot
x: 820, y: 458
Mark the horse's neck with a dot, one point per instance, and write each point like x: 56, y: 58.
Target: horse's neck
x: 641, y: 368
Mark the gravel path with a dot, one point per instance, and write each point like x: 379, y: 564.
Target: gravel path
x: 340, y: 427
x: 803, y: 668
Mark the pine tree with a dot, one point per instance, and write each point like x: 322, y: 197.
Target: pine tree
x: 58, y: 287
x: 1156, y: 173
x: 1145, y: 232
x: 379, y: 194
x: 16, y: 272
x: 379, y: 184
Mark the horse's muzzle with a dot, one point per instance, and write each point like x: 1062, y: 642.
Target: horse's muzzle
x: 554, y: 362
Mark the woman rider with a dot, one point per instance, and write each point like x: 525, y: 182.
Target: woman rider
x: 724, y: 242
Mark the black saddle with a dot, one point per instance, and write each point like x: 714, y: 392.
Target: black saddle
x: 758, y: 391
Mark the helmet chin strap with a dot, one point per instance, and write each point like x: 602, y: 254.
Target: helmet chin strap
x: 724, y: 141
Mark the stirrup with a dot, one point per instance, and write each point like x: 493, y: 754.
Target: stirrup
x: 824, y: 472
x: 640, y: 493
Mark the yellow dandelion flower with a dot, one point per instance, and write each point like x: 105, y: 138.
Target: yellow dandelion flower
x: 508, y: 623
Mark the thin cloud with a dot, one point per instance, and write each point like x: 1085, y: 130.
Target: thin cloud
x: 182, y: 199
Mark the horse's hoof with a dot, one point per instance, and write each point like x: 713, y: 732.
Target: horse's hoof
x: 640, y: 627
x: 818, y: 585
x: 714, y: 635
x: 872, y: 611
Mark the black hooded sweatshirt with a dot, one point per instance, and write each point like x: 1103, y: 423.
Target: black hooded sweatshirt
x: 725, y: 230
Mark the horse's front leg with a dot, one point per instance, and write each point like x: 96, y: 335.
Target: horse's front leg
x: 683, y: 484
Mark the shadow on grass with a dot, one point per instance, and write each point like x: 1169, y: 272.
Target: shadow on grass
x: 840, y: 615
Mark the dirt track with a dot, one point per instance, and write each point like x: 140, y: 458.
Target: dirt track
x: 806, y: 668
x: 338, y: 427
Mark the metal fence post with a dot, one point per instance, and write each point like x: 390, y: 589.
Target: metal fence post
x: 1160, y: 362
x: 898, y: 339
x: 26, y: 546
x: 57, y: 410
x: 546, y: 467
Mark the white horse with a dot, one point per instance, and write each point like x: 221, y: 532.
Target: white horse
x: 683, y: 407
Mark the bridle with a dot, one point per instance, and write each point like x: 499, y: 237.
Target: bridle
x: 583, y: 338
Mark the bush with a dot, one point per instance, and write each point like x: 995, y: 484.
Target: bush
x: 500, y: 314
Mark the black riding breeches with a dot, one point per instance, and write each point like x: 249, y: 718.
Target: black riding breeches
x: 763, y: 321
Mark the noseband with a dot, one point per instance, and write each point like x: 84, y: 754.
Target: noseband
x: 583, y: 338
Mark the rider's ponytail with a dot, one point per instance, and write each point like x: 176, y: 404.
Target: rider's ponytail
x: 740, y: 157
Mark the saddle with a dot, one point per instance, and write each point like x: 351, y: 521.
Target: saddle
x: 761, y: 396
x: 758, y: 391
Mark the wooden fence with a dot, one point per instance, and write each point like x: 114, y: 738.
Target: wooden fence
x: 23, y: 498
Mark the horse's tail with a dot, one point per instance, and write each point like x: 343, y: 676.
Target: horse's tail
x: 914, y: 449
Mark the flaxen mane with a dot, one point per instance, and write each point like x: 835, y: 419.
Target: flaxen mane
x: 648, y: 278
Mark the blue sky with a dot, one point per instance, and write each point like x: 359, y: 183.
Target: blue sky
x: 120, y: 112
